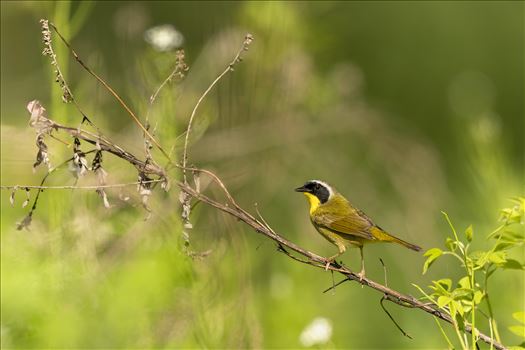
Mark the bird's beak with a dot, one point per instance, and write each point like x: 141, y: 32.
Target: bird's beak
x: 301, y: 189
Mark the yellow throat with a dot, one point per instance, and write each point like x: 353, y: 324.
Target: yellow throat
x: 313, y: 200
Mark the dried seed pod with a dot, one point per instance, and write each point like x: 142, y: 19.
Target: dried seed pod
x: 12, y: 196
x: 28, y: 197
x: 79, y: 166
x: 144, y: 190
x: 42, y: 155
x: 26, y: 221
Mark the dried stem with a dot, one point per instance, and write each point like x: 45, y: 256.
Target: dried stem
x: 11, y: 187
x: 67, y: 95
x: 108, y: 146
x: 117, y: 97
x: 180, y: 68
x: 246, y: 43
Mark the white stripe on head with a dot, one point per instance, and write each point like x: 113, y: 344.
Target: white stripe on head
x: 325, y: 185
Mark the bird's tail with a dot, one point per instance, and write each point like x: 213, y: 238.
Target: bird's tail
x: 406, y: 244
x: 385, y: 236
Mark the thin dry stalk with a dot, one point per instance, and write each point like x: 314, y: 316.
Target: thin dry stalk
x: 67, y: 95
x: 238, y: 57
x: 18, y: 187
x: 180, y: 69
x: 110, y: 89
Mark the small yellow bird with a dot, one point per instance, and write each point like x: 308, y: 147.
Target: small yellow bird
x: 342, y: 224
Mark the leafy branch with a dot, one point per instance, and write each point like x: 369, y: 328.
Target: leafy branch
x: 464, y: 301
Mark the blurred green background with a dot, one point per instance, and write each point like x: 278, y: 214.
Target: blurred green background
x: 408, y: 108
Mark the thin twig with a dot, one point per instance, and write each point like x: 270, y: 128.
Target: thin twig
x: 25, y: 222
x: 384, y: 307
x: 262, y: 218
x: 108, y: 146
x: 180, y: 68
x: 246, y: 43
x: 110, y: 89
x: 67, y: 94
x: 10, y: 187
x: 337, y: 284
x: 392, y: 318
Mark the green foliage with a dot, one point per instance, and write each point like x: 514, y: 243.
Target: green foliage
x: 463, y: 300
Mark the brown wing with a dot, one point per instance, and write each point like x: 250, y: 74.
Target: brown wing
x: 349, y: 221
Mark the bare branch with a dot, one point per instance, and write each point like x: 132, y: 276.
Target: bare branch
x: 117, y: 97
x: 108, y: 146
x: 12, y: 187
x: 67, y: 95
x: 246, y: 43
x: 180, y: 68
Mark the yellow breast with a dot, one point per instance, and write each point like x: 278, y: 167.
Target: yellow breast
x: 313, y: 200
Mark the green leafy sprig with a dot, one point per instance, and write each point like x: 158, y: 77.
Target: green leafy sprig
x: 469, y: 298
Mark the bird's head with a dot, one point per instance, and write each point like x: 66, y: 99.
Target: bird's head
x: 317, y: 192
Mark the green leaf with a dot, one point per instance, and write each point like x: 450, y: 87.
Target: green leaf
x: 479, y: 257
x: 443, y: 301
x: 453, y: 310
x: 503, y: 246
x: 428, y: 297
x: 451, y: 244
x: 469, y: 232
x: 464, y: 283
x: 519, y: 316
x: 460, y: 320
x: 518, y: 330
x: 513, y: 265
x: 513, y: 215
x: 497, y: 258
x: 445, y: 283
x: 460, y: 293
x: 478, y: 296
x: 513, y: 237
x: 432, y: 254
x: 459, y: 307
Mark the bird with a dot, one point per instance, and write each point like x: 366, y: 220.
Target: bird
x: 341, y: 223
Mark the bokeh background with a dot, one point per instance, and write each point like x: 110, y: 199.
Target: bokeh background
x: 408, y: 108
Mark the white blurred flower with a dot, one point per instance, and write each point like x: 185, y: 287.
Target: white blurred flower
x: 164, y: 37
x: 319, y: 331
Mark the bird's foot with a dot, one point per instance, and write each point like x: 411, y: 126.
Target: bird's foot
x: 331, y: 261
x: 361, y: 275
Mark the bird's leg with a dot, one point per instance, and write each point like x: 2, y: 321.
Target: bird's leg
x: 362, y: 273
x: 331, y: 259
